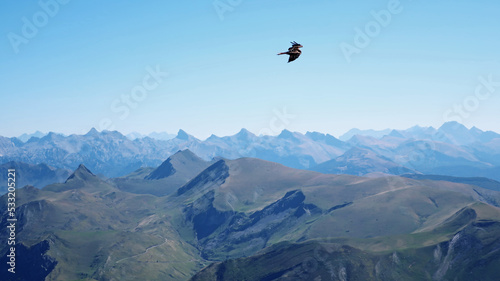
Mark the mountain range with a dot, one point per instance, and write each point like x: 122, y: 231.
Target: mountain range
x: 134, y: 135
x: 451, y: 150
x: 252, y: 219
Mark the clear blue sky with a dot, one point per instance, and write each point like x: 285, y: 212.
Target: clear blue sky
x: 70, y: 74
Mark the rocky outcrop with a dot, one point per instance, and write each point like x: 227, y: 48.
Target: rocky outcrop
x: 204, y: 217
x: 471, y: 252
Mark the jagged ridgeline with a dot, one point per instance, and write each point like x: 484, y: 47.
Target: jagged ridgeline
x: 451, y: 150
x: 251, y: 219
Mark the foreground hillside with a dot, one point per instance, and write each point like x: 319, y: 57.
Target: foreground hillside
x: 471, y: 254
x: 90, y: 230
x: 250, y: 219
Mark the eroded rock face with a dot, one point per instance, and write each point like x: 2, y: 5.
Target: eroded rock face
x: 31, y: 263
x: 222, y: 231
x: 474, y: 248
x: 205, y: 218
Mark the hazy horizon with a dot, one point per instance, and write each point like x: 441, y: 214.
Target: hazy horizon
x: 236, y: 132
x: 144, y: 67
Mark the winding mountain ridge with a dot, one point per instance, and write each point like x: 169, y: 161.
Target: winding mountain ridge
x: 477, y: 181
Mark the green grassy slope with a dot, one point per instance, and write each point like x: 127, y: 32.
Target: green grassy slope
x: 218, y: 207
x: 97, y: 232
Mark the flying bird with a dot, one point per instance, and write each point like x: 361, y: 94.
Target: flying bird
x: 294, y: 51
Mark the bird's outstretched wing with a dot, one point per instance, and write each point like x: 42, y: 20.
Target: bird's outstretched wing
x: 293, y: 56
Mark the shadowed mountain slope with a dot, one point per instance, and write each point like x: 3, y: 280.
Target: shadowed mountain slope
x: 165, y: 179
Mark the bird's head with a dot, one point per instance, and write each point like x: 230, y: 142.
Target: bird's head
x: 295, y: 44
